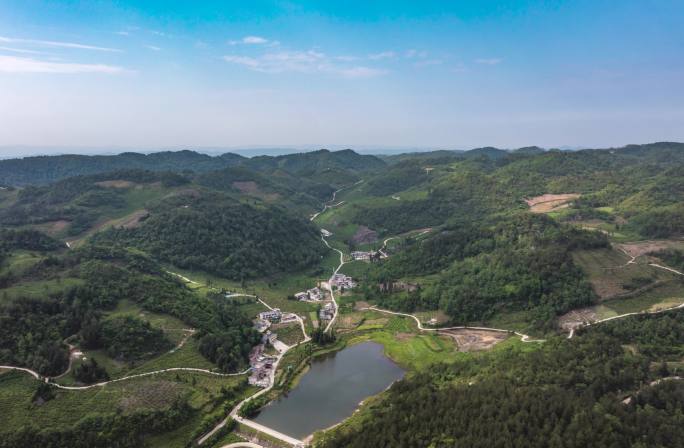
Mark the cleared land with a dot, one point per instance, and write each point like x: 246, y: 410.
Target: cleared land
x: 550, y: 202
x: 613, y: 274
x: 473, y: 340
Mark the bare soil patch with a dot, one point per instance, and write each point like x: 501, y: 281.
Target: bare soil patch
x: 640, y: 248
x: 364, y: 235
x: 576, y: 318
x: 53, y: 228
x: 361, y: 305
x: 403, y: 336
x: 550, y: 202
x: 249, y: 187
x: 115, y: 183
x: 469, y: 340
x: 134, y: 219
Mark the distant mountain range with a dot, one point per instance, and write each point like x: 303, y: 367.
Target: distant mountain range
x: 41, y: 170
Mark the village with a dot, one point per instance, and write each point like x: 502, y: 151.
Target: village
x: 265, y: 355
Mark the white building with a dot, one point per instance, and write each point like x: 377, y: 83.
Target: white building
x: 273, y: 315
x: 341, y: 281
x: 327, y: 312
x: 362, y: 256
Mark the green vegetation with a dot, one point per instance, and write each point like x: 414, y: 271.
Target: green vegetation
x: 572, y: 397
x: 520, y: 263
x: 222, y: 236
x: 464, y: 248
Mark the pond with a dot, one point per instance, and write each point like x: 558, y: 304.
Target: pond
x: 331, y: 390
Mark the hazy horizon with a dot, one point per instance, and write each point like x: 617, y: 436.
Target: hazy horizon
x: 11, y: 152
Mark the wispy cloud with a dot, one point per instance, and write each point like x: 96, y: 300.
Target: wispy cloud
x: 412, y: 53
x: 152, y: 47
x: 122, y: 33
x: 13, y: 64
x: 310, y: 61
x: 488, y: 61
x: 20, y: 50
x: 51, y: 43
x: 254, y: 40
x: 382, y: 55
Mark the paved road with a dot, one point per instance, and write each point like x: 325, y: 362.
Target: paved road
x: 332, y: 294
x: 234, y: 412
x: 243, y: 445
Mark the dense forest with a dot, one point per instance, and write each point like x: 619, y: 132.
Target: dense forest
x: 47, y: 169
x: 587, y: 391
x: 221, y: 236
x: 521, y: 262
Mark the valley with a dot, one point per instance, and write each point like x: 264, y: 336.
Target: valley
x: 117, y: 283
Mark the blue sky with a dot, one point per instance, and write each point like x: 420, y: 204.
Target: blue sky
x: 363, y: 74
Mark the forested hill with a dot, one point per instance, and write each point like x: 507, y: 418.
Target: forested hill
x: 583, y: 392
x: 222, y: 236
x: 310, y: 162
x: 46, y: 169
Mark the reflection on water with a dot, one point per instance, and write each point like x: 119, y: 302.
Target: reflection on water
x: 331, y: 390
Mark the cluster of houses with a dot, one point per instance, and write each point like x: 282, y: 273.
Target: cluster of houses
x: 362, y: 256
x: 262, y: 368
x: 342, y: 281
x: 311, y: 295
x: 273, y: 316
x: 327, y: 312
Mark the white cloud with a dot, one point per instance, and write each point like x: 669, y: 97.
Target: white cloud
x: 488, y: 61
x: 152, y: 47
x: 20, y: 50
x: 122, y: 33
x: 50, y: 43
x: 13, y: 64
x: 382, y: 55
x: 254, y: 40
x: 301, y: 62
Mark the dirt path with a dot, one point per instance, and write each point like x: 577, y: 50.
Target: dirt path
x: 666, y: 268
x: 523, y: 337
x: 188, y: 333
x: 104, y: 383
x: 327, y: 205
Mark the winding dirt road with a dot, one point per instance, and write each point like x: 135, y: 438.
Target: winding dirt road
x: 523, y: 337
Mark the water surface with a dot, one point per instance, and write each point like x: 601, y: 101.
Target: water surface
x: 331, y: 390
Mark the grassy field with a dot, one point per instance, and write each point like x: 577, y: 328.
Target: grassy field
x: 610, y: 275
x: 290, y: 334
x: 40, y: 288
x: 664, y: 296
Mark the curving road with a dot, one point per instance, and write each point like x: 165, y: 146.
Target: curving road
x: 234, y: 412
x: 48, y: 380
x: 330, y: 289
x: 523, y: 337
